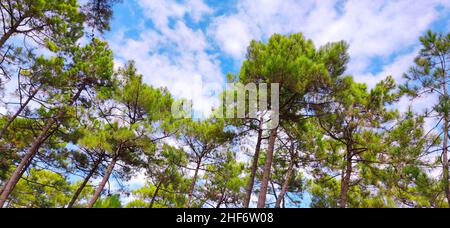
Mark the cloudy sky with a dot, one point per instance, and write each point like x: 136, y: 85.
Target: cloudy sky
x: 181, y: 44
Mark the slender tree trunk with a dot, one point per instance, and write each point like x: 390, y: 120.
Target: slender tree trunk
x: 445, y: 165
x: 85, y: 182
x: 267, y: 167
x: 222, y: 199
x: 274, y: 190
x: 34, y: 148
x: 21, y: 173
x: 285, y: 184
x: 251, y: 181
x: 345, y: 182
x: 194, y: 181
x: 3, y: 187
x: 219, y: 204
x: 18, y: 112
x: 155, y: 194
x: 105, y: 179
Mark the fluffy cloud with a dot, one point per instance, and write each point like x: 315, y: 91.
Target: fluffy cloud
x: 160, y: 11
x: 171, y: 54
x: 373, y: 28
x: 232, y: 35
x: 396, y: 69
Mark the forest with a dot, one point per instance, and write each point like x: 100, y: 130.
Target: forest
x: 73, y: 124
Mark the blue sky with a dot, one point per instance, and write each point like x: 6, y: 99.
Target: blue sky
x: 181, y: 44
x: 185, y: 44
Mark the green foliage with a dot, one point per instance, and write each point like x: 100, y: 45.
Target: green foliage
x: 224, y: 182
x: 98, y: 13
x: 109, y: 202
x: 429, y: 77
x: 41, y: 189
x: 294, y: 63
x: 56, y: 19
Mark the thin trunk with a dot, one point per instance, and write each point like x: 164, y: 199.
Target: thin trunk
x: 267, y: 167
x: 34, y: 149
x: 21, y: 173
x: 251, y: 181
x: 18, y: 112
x: 274, y: 190
x: 445, y: 165
x: 222, y: 199
x: 155, y: 194
x: 85, y: 182
x: 285, y: 184
x: 219, y: 204
x: 105, y: 179
x: 345, y: 182
x: 194, y: 181
x: 3, y: 187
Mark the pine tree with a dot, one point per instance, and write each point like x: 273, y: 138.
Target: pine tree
x: 351, y: 121
x: 430, y: 76
x: 167, y: 182
x: 302, y: 73
x: 127, y: 128
x: 205, y: 143
x: 402, y: 176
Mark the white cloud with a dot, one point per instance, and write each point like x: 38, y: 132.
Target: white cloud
x: 373, y: 28
x: 173, y: 55
x: 232, y: 35
x: 160, y: 11
x: 197, y: 9
x: 396, y: 69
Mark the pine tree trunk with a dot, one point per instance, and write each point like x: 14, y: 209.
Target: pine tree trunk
x: 21, y: 174
x: 267, y: 167
x: 155, y: 194
x: 34, y: 149
x: 85, y: 182
x: 345, y: 182
x: 445, y: 165
x: 194, y: 181
x: 285, y: 184
x: 105, y: 179
x: 219, y: 204
x: 12, y: 118
x: 251, y: 181
x: 3, y: 187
